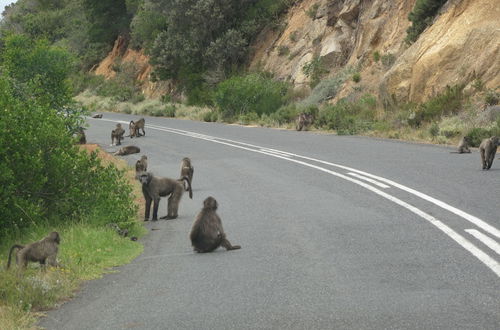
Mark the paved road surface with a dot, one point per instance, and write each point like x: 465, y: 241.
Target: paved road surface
x: 336, y: 233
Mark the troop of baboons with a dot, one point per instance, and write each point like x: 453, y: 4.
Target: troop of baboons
x: 487, y: 149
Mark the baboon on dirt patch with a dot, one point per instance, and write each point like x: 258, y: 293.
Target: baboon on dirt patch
x: 117, y: 134
x: 187, y: 170
x: 142, y: 164
x: 42, y: 251
x: 207, y: 233
x: 304, y: 120
x: 153, y: 188
x: 135, y: 126
x: 127, y: 151
x: 488, y: 149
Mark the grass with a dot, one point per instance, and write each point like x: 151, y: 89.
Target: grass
x: 86, y: 252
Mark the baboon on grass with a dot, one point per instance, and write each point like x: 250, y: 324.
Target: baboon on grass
x: 153, y: 188
x: 42, y: 251
x: 207, y: 233
x: 488, y: 149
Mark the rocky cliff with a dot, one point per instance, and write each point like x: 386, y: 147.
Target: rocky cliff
x: 460, y: 46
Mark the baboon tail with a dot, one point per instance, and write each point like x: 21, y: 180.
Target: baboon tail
x: 189, y: 186
x: 15, y: 246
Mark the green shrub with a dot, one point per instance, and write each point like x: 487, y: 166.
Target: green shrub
x: 388, y: 60
x: 169, y: 110
x: 491, y: 97
x: 283, y: 51
x: 248, y: 118
x: 211, y: 116
x: 477, y: 135
x: 328, y: 88
x: 376, y: 56
x: 315, y: 70
x: 285, y: 114
x: 294, y: 36
x: 356, y: 77
x: 250, y: 93
x: 434, y: 129
x: 312, y: 11
x: 421, y: 16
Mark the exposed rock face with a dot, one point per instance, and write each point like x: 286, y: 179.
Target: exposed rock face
x: 462, y: 45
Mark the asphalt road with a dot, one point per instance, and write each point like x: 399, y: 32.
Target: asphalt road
x: 337, y: 232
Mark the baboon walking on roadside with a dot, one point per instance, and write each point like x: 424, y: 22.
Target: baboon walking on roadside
x: 97, y: 116
x: 117, y: 134
x: 488, y: 149
x: 207, y: 233
x: 153, y: 188
x: 187, y: 170
x: 304, y: 120
x: 463, y: 146
x: 135, y: 126
x: 42, y: 251
x: 142, y: 164
x: 127, y: 151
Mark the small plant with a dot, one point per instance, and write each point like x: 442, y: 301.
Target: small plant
x: 478, y: 84
x: 283, y: 51
x: 434, y: 129
x: 210, y: 117
x: 294, y: 36
x: 421, y: 17
x: 315, y: 70
x: 376, y: 56
x: 312, y: 11
x: 169, y: 110
x: 388, y: 60
x: 356, y: 77
x: 491, y: 97
x: 166, y: 98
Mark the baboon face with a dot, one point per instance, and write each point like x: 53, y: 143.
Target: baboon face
x: 495, y: 140
x: 54, y: 236
x: 145, y: 178
x: 210, y: 203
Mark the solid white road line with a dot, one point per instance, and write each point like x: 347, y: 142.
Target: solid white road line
x: 381, y: 185
x: 488, y: 241
x: 478, y: 253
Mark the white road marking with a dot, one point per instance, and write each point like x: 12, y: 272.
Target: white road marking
x: 488, y: 241
x: 381, y: 185
x: 475, y: 251
x: 270, y: 151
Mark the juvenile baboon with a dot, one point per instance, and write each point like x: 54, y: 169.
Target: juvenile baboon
x: 82, y: 139
x: 142, y: 164
x: 488, y: 149
x: 121, y: 232
x: 135, y: 126
x: 153, y: 188
x: 463, y: 146
x: 304, y: 120
x: 187, y: 170
x: 97, y: 115
x: 41, y: 251
x: 207, y: 233
x: 117, y: 134
x: 127, y: 151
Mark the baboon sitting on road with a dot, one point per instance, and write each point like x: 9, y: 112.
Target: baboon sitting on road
x: 127, y: 151
x: 187, y: 170
x: 207, y: 233
x: 135, y: 126
x: 153, y: 188
x: 41, y: 251
x: 97, y: 115
x: 488, y: 149
x: 117, y: 134
x: 142, y: 164
x: 463, y: 146
x: 304, y: 120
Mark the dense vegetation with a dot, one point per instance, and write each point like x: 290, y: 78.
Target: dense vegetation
x: 44, y: 176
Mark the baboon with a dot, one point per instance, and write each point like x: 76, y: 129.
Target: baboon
x: 488, y: 149
x: 142, y: 164
x: 41, y: 251
x: 463, y: 146
x: 304, y: 120
x: 135, y: 126
x: 127, y: 151
x: 97, y: 115
x: 207, y: 233
x: 117, y: 134
x: 80, y: 133
x: 187, y: 170
x: 153, y: 188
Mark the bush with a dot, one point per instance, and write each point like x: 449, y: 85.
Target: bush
x: 434, y: 129
x: 294, y: 36
x: 169, y: 110
x: 356, y: 77
x: 250, y: 93
x: 491, y: 97
x: 376, y: 56
x: 312, y: 11
x: 314, y: 70
x: 477, y: 135
x: 210, y: 117
x: 328, y: 88
x: 388, y: 60
x: 283, y: 51
x: 421, y: 16
x: 248, y: 118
